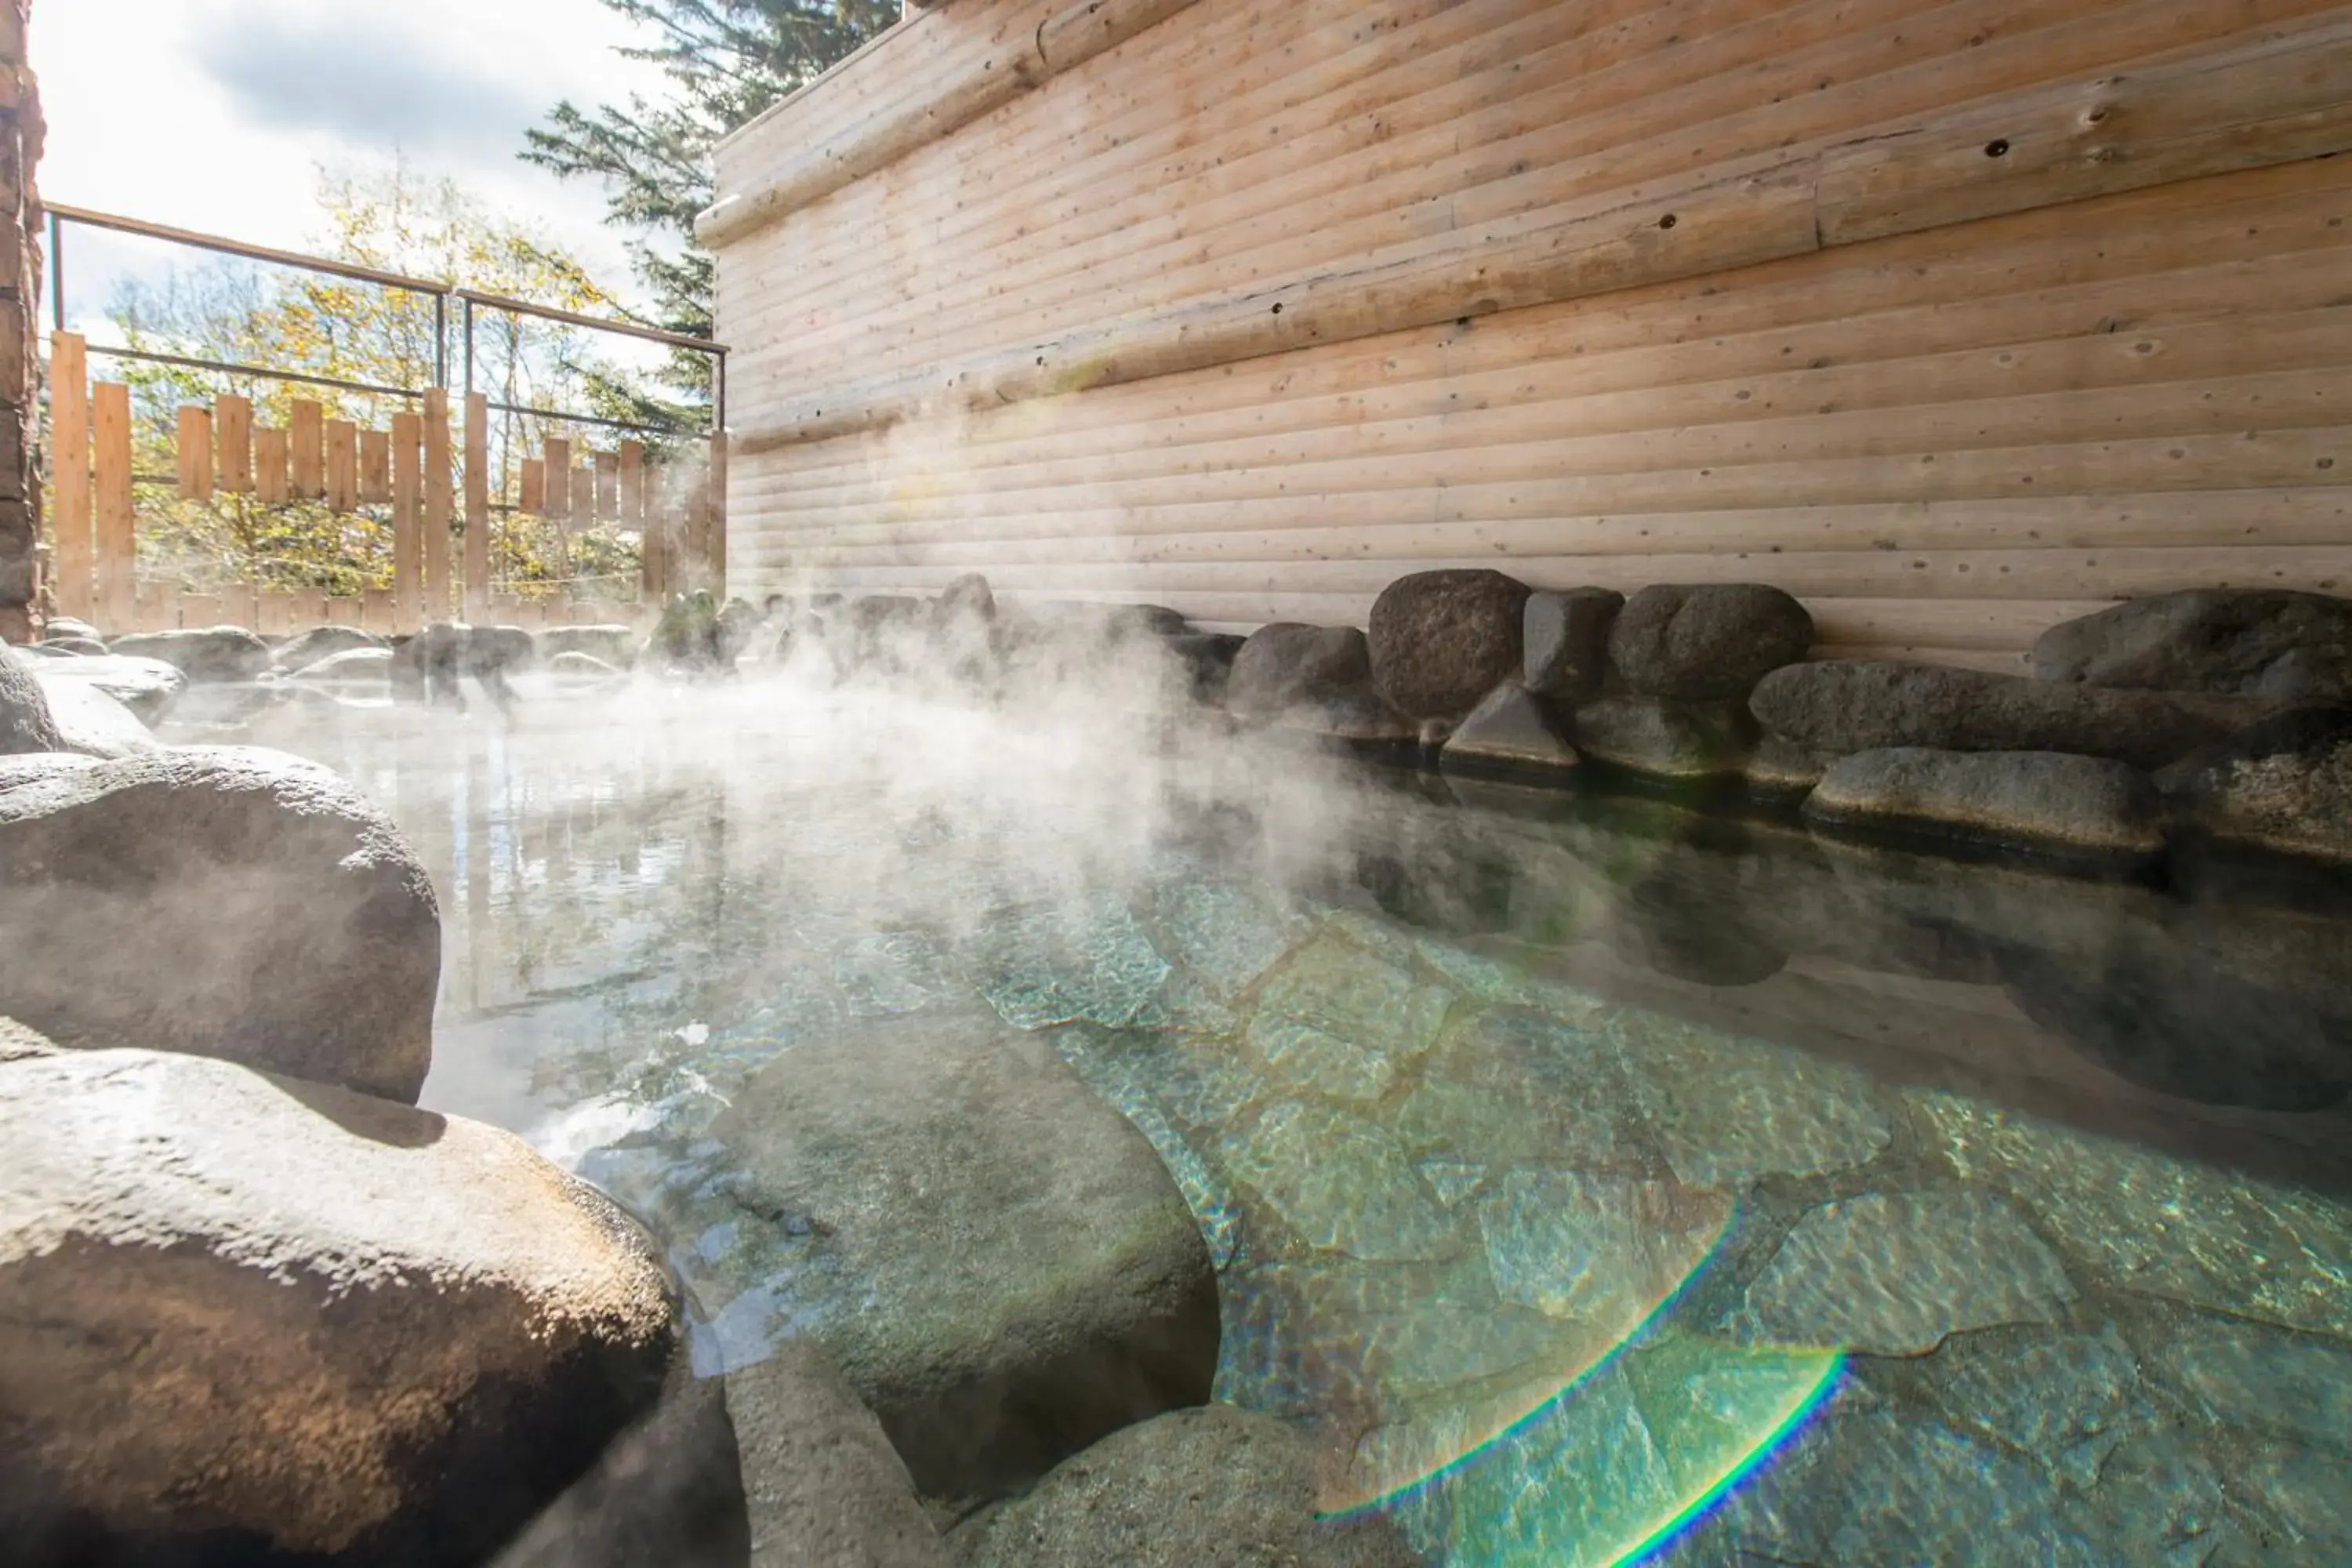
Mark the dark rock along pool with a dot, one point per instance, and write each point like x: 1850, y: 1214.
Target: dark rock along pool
x: 1595, y: 1179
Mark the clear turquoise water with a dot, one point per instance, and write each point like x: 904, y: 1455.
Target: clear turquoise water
x: 1595, y: 1181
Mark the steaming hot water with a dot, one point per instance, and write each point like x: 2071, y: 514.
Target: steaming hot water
x: 1589, y: 1177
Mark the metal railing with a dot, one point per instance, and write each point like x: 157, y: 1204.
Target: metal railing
x: 469, y: 301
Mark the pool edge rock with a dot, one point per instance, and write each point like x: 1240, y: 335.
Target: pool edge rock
x: 2042, y: 800
x: 1021, y: 1275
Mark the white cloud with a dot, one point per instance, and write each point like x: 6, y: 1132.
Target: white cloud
x: 216, y: 114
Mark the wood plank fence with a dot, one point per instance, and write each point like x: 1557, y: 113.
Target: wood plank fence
x: 439, y: 493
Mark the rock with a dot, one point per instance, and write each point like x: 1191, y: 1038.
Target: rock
x: 1344, y: 1183
x: 304, y: 649
x: 351, y: 664
x: 19, y: 1043
x: 820, y: 1479
x: 88, y: 720
x: 1284, y: 665
x: 2267, y: 642
x: 584, y: 668
x: 612, y: 644
x: 82, y: 647
x: 148, y: 687
x: 967, y: 597
x: 2283, y: 784
x: 1440, y: 641
x: 214, y: 653
x: 26, y: 725
x: 1711, y: 642
x: 431, y: 663
x: 2044, y: 799
x: 1782, y: 768
x: 1215, y: 1488
x: 243, y: 1316
x: 1686, y: 741
x: 222, y: 902
x: 1359, y: 717
x: 687, y: 635
x: 1863, y: 705
x: 1513, y: 728
x: 1002, y: 1267
x: 59, y: 627
x: 1566, y: 639
x: 1208, y: 659
x: 740, y: 621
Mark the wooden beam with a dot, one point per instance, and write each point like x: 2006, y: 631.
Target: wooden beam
x: 194, y: 450
x: 439, y: 506
x: 407, y: 542
x: 477, y: 507
x: 117, y: 596
x: 271, y: 482
x: 306, y: 444
x: 342, y: 466
x: 232, y: 442
x: 74, y: 566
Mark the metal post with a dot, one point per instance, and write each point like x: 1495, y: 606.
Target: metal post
x: 469, y: 348
x: 441, y: 342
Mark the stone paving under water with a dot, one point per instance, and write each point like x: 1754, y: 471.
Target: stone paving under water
x: 1564, y: 1252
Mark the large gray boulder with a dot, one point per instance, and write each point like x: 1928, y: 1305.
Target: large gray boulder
x: 1286, y: 664
x: 1566, y: 639
x: 1710, y: 642
x: 820, y: 1479
x: 1860, y: 705
x: 150, y: 688
x: 1679, y: 740
x: 304, y: 649
x: 225, y: 901
x: 1214, y: 1487
x: 2039, y: 799
x: 248, y: 1318
x: 26, y: 725
x: 205, y: 654
x: 1440, y: 641
x: 1003, y: 1269
x: 89, y: 721
x: 613, y: 643
x: 2284, y: 784
x: 2268, y: 642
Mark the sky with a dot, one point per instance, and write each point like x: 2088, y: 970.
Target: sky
x: 216, y: 115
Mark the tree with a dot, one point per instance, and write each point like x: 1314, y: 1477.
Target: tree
x: 727, y: 61
x: 347, y: 330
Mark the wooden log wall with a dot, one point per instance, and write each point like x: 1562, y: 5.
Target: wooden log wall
x: 419, y: 472
x: 1955, y: 319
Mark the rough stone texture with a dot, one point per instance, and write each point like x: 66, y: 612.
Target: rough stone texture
x: 2285, y: 784
x: 351, y: 664
x: 1342, y: 1023
x: 1017, y: 1275
x: 239, y: 1313
x: 26, y: 725
x: 67, y: 628
x: 822, y: 1485
x: 1860, y: 705
x: 1781, y: 768
x: 209, y: 653
x: 1208, y: 659
x: 1345, y: 1184
x: 2046, y: 799
x: 304, y: 649
x: 1894, y: 1273
x: 612, y: 644
x: 148, y: 687
x: 1686, y: 741
x: 1285, y: 665
x: 585, y: 668
x: 1440, y: 641
x: 1710, y: 642
x: 88, y: 720
x: 21, y: 134
x: 1215, y: 1488
x: 2269, y: 642
x: 223, y: 901
x: 1513, y: 728
x: 84, y: 647
x: 967, y: 597
x: 1566, y: 641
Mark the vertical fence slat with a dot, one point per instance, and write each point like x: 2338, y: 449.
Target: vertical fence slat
x: 439, y: 509
x: 407, y: 557
x: 661, y: 555
x: 534, y: 486
x: 154, y: 607
x: 559, y: 478
x: 310, y: 607
x: 342, y: 466
x: 233, y: 438
x: 608, y: 485
x: 376, y: 610
x: 193, y: 441
x: 74, y: 562
x: 306, y: 443
x: 117, y: 546
x: 201, y: 610
x: 632, y: 461
x: 477, y: 507
x: 375, y: 467
x: 269, y: 486
x: 275, y: 614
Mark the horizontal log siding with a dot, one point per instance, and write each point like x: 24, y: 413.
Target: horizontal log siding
x: 1944, y: 440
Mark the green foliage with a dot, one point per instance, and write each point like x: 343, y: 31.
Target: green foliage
x: 727, y: 61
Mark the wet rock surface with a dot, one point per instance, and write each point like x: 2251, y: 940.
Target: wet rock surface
x: 2089, y: 804
x: 223, y: 902
x: 1709, y: 643
x: 1513, y: 728
x: 209, y: 654
x: 150, y: 688
x: 1565, y: 638
x: 1684, y: 741
x: 303, y: 649
x: 26, y: 725
x: 2265, y: 642
x: 1440, y: 641
x: 1017, y: 1275
x: 359, y: 1330
x: 2284, y: 784
x: 1284, y: 665
x: 1216, y: 1488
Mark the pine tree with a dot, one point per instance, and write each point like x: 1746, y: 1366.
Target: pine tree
x: 727, y: 60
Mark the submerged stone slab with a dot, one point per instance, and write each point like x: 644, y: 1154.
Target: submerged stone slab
x: 1226, y: 934
x: 1086, y: 961
x: 2066, y: 1399
x: 1193, y: 1489
x: 1727, y: 1111
x: 2044, y: 799
x: 2268, y: 1380
x: 1342, y: 1023
x: 1894, y: 1273
x: 1596, y: 1249
x: 997, y: 1260
x: 1342, y: 1183
x: 1516, y: 1086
